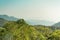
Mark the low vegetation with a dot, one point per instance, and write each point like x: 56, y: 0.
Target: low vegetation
x: 20, y: 30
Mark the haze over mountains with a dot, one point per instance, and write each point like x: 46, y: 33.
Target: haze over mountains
x: 56, y: 24
x: 29, y: 21
x: 6, y: 17
x: 40, y: 22
x: 2, y: 21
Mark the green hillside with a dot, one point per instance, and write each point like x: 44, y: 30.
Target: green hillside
x: 20, y: 30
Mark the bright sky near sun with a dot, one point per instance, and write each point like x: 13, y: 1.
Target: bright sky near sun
x: 32, y: 9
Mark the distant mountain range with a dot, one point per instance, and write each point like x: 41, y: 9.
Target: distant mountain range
x: 10, y: 18
x: 31, y: 22
x: 56, y: 24
x: 40, y: 22
x: 2, y: 21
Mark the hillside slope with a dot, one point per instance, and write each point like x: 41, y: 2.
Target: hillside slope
x: 2, y: 21
x: 20, y: 30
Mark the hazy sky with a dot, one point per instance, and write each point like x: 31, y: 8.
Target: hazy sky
x: 32, y: 9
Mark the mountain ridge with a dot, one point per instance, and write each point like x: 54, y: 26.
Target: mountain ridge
x: 30, y: 21
x: 10, y: 18
x: 56, y: 24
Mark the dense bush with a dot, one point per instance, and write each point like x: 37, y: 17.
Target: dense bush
x: 20, y: 30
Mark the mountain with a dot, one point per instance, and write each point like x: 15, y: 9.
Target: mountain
x: 20, y: 30
x: 10, y: 18
x: 2, y: 21
x: 56, y: 24
x: 40, y: 22
x: 30, y: 21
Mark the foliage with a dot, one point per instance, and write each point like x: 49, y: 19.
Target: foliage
x: 46, y: 31
x: 20, y: 30
x: 2, y: 33
x: 55, y: 35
